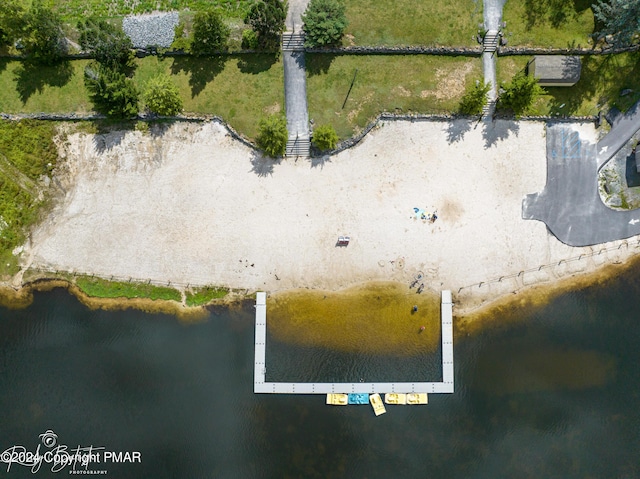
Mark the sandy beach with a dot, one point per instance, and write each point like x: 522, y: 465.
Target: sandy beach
x: 191, y: 205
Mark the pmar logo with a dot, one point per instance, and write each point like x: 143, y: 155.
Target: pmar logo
x: 58, y: 457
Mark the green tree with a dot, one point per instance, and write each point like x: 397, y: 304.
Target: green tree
x: 43, y: 38
x: 518, y: 95
x: 324, y: 23
x: 273, y: 135
x: 111, y: 92
x: 474, y: 99
x: 266, y: 18
x: 12, y: 18
x: 325, y: 137
x: 621, y: 20
x: 111, y: 47
x: 162, y: 96
x: 210, y: 34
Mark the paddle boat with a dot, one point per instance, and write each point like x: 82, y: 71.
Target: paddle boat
x: 359, y: 398
x: 337, y: 399
x: 395, y: 398
x: 417, y: 398
x: 377, y: 404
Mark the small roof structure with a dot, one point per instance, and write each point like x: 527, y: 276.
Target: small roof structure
x: 556, y: 70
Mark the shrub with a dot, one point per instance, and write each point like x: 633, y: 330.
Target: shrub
x: 273, y: 135
x: 109, y: 44
x: 180, y: 40
x: 210, y: 34
x: 249, y: 40
x: 325, y: 137
x: 474, y: 99
x: 266, y: 18
x: 111, y: 92
x: 324, y: 23
x: 518, y: 95
x: 162, y: 96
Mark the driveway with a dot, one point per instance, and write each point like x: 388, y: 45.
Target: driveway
x: 570, y: 204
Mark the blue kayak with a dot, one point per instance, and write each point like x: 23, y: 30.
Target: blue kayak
x: 359, y: 398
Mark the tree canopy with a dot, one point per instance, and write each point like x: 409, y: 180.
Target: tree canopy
x: 273, y: 135
x: 162, y: 96
x: 266, y: 18
x: 210, y: 34
x: 111, y: 92
x: 324, y: 23
x: 43, y: 38
x: 474, y: 99
x: 11, y: 21
x: 518, y: 95
x: 110, y: 45
x: 621, y: 20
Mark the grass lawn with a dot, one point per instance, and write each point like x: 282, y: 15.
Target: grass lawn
x: 100, y: 288
x: 548, y: 23
x: 73, y: 10
x: 407, y: 22
x: 419, y: 84
x: 239, y: 89
x: 602, y: 80
x: 26, y: 88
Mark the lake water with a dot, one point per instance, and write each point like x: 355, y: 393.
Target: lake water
x: 555, y: 394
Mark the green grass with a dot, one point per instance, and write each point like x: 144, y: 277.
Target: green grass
x: 602, y: 80
x: 419, y: 84
x: 73, y: 10
x: 548, y: 23
x: 201, y: 296
x: 240, y: 89
x: 27, y: 153
x: 26, y: 88
x: 100, y: 288
x: 407, y: 22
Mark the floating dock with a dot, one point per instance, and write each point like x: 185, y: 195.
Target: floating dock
x: 260, y: 368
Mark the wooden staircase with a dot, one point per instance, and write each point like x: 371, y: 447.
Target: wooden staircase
x: 292, y: 42
x: 491, y: 40
x: 298, y: 147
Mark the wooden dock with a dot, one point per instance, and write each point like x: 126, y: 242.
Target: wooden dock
x: 260, y: 368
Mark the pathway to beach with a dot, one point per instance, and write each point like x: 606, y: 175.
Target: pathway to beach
x: 295, y: 81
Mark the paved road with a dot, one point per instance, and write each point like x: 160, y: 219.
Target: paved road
x: 570, y: 205
x: 624, y: 127
x: 295, y: 92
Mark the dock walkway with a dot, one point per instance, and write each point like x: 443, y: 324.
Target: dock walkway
x: 261, y: 386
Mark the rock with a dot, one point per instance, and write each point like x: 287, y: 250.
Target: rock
x: 626, y: 91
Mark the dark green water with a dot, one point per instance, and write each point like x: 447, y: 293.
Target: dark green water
x: 531, y: 401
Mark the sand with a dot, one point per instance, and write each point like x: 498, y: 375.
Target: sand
x: 190, y: 205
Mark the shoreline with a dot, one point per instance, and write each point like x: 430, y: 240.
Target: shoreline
x: 188, y: 204
x: 467, y: 319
